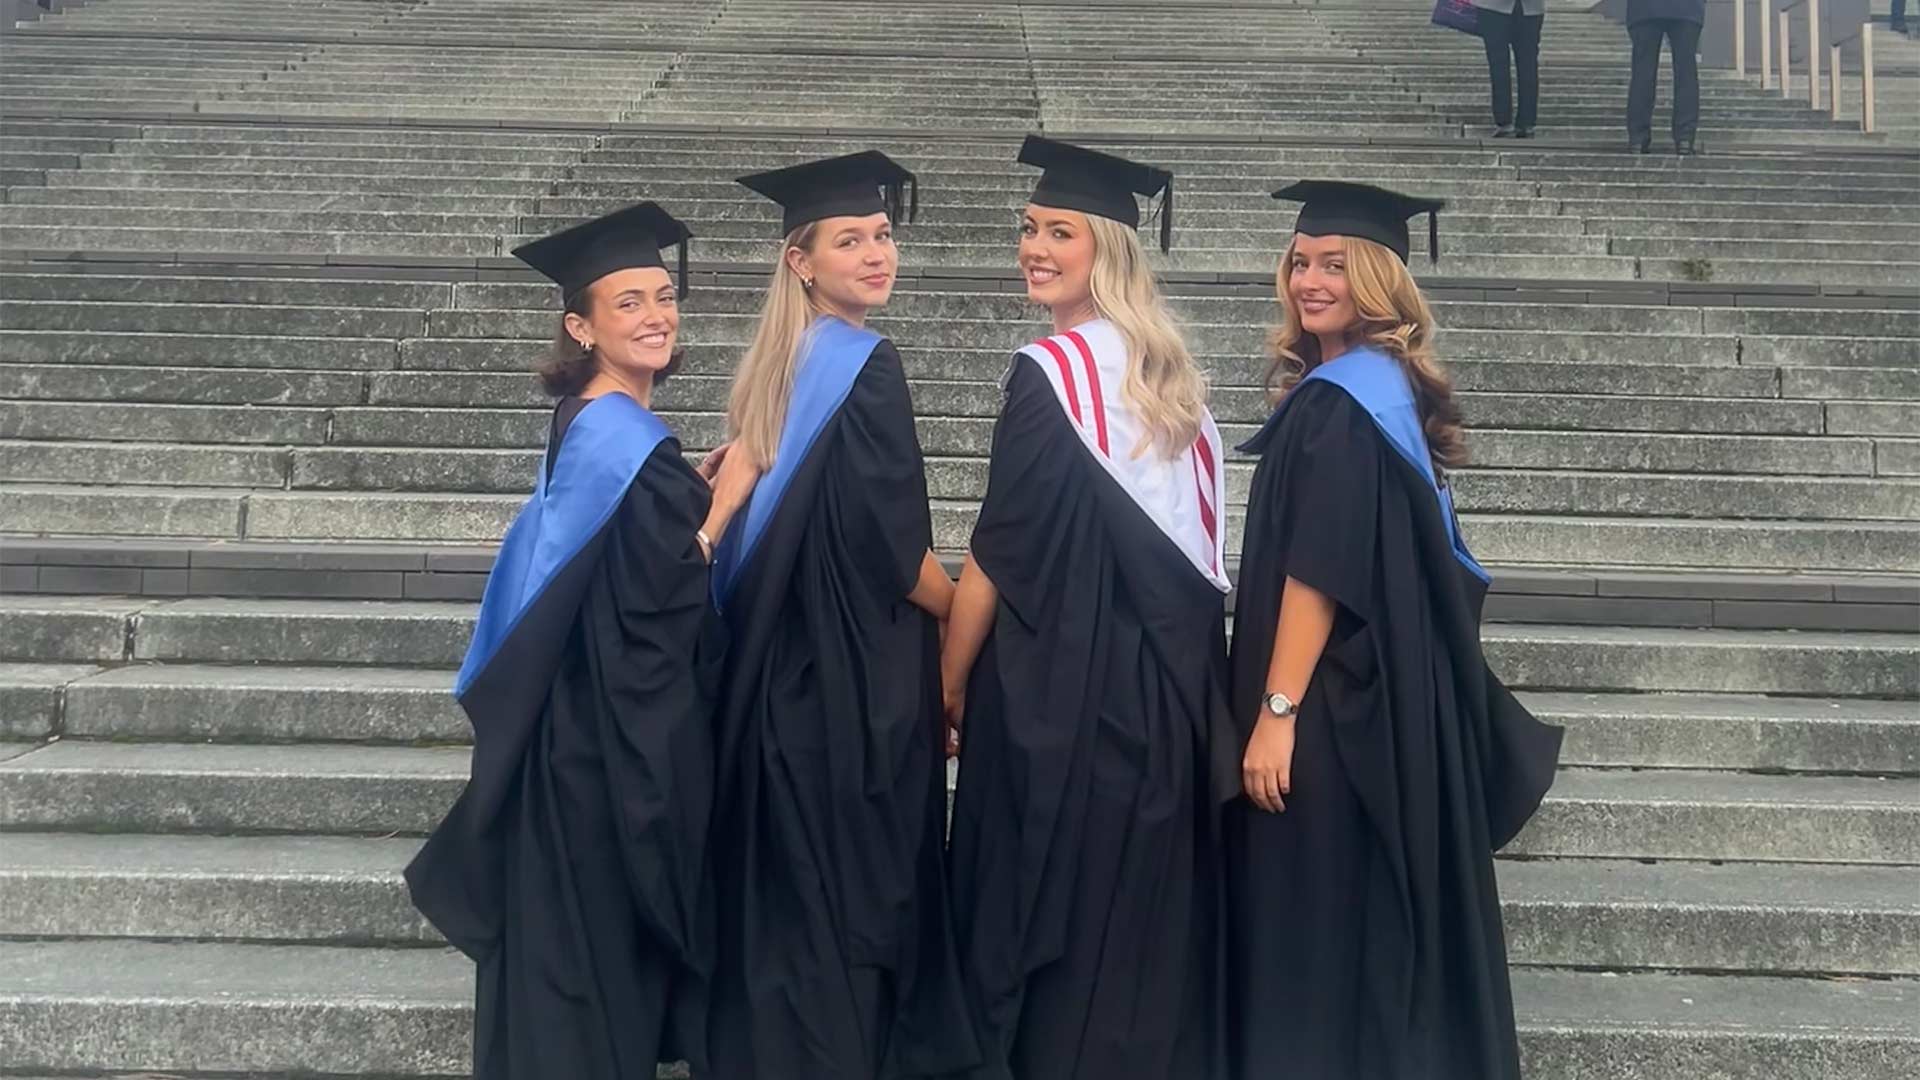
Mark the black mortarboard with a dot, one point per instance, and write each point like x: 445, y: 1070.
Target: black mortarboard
x: 847, y: 186
x: 577, y: 257
x: 1336, y: 208
x: 1075, y: 178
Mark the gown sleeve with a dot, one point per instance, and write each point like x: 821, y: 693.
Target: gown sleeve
x: 1021, y: 535
x: 653, y: 658
x: 877, y: 493
x: 1326, y: 519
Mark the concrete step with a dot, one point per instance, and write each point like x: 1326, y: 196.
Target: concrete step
x: 350, y: 790
x: 1720, y: 731
x: 417, y: 633
x: 348, y: 891
x: 187, y: 701
x: 1714, y: 816
x: 406, y: 1014
x: 1550, y: 539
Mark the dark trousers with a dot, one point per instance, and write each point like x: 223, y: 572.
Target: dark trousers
x: 1684, y: 38
x: 1899, y: 14
x: 1519, y: 35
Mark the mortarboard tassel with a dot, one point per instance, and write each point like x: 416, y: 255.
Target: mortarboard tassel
x: 685, y: 242
x: 1166, y: 219
x: 1433, y: 237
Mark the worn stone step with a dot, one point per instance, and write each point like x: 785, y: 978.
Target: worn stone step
x: 1590, y: 913
x: 405, y: 1014
x: 1711, y: 816
x: 1723, y: 731
x: 406, y: 705
x: 32, y: 697
x: 270, y: 703
x: 1738, y: 917
x: 340, y: 789
x: 308, y: 889
x: 180, y: 385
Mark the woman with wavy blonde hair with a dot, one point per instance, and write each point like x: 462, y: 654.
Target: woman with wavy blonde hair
x: 1364, y: 923
x: 1085, y: 664
x: 835, y: 956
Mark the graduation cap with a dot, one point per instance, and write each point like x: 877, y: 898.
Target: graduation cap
x: 1075, y: 178
x: 853, y: 185
x: 577, y: 257
x: 1336, y: 208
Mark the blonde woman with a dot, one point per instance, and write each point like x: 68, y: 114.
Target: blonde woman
x: 1084, y: 667
x: 1384, y: 763
x: 835, y: 955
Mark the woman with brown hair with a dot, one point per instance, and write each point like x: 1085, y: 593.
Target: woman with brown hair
x: 573, y: 870
x: 836, y: 958
x: 1365, y: 926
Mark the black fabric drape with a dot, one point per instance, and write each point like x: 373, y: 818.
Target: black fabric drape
x: 1367, y: 935
x: 573, y: 867
x: 836, y: 951
x: 1096, y: 756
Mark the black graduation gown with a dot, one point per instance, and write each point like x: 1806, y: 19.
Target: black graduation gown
x: 1097, y: 754
x: 573, y: 868
x: 1366, y: 927
x: 836, y: 957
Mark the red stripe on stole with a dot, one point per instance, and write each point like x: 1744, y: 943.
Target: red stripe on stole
x: 1203, y: 456
x: 1066, y: 376
x: 1093, y: 389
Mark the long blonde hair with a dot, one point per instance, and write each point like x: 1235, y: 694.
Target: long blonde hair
x: 1163, y: 385
x: 757, y: 406
x: 1395, y: 319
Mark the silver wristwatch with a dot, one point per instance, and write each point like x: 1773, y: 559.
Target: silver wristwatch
x: 1279, y: 704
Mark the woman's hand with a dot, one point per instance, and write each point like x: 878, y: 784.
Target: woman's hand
x: 710, y: 465
x: 953, y: 706
x: 1267, y: 769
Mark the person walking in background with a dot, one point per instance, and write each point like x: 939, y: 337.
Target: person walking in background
x: 1678, y: 22
x: 1897, y: 18
x: 1512, y: 27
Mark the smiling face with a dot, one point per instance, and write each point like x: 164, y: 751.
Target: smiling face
x: 631, y: 322
x: 1056, y: 258
x: 1313, y: 277
x: 851, y: 262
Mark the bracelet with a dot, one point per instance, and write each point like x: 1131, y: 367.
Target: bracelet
x: 706, y: 543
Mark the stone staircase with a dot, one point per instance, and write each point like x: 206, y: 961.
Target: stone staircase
x: 264, y: 409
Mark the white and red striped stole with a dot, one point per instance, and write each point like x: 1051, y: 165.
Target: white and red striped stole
x: 1184, y: 496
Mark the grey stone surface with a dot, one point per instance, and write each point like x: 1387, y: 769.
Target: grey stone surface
x: 269, y: 704
x: 303, y: 632
x: 1747, y: 733
x: 1743, y: 917
x: 51, y: 629
x: 31, y: 696
x: 1710, y: 661
x: 1679, y: 814
x: 165, y: 787
x: 313, y: 890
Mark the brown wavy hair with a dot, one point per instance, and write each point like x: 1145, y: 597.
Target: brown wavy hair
x: 567, y: 368
x: 1395, y: 319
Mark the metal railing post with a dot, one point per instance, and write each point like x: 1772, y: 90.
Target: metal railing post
x: 1766, y: 44
x: 1786, y: 57
x: 1867, y: 117
x: 1740, y: 37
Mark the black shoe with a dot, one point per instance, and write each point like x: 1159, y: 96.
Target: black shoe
x: 1644, y: 146
x: 1898, y: 27
x: 1523, y: 133
x: 1683, y: 147
x: 1504, y: 131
